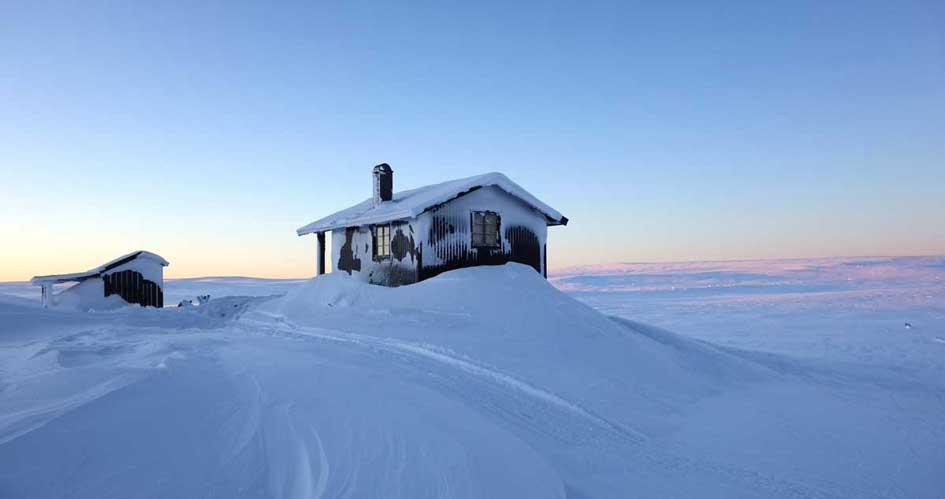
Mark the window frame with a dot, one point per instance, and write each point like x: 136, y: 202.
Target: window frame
x: 375, y: 247
x: 472, y: 229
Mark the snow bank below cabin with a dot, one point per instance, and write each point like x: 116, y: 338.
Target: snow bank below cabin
x: 512, y: 321
x: 481, y: 382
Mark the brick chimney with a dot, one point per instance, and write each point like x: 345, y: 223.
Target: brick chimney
x: 383, y: 183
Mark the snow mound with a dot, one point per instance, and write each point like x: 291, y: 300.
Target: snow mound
x: 512, y: 321
x: 480, y: 382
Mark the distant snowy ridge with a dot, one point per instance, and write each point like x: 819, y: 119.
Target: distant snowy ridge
x: 883, y: 312
x: 909, y: 271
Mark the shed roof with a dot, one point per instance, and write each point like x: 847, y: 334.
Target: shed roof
x: 101, y: 269
x: 410, y: 203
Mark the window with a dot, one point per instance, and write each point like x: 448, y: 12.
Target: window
x: 381, y: 242
x: 485, y: 229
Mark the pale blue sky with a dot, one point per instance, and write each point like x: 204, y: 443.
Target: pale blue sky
x: 663, y: 130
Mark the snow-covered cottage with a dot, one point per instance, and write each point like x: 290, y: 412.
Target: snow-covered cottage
x: 136, y: 278
x: 403, y: 237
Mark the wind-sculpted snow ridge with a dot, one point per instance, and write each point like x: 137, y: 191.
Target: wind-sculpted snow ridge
x: 483, y: 382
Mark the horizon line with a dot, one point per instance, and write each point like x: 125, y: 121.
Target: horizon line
x: 565, y: 268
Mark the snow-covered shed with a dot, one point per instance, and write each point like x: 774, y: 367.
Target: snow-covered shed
x: 136, y: 278
x: 397, y: 238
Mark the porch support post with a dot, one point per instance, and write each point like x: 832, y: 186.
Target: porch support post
x: 320, y: 254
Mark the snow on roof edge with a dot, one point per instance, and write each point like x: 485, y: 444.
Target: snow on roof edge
x: 411, y: 203
x: 134, y: 255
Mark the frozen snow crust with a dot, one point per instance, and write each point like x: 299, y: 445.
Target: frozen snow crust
x: 482, y: 382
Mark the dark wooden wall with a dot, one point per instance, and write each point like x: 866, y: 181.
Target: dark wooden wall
x: 133, y: 288
x: 440, y: 239
x: 448, y: 242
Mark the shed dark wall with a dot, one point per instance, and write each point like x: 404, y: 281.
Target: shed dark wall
x: 133, y: 288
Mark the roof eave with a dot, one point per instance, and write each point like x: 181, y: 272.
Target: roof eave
x: 101, y: 269
x: 561, y: 221
x: 62, y: 278
x: 552, y: 216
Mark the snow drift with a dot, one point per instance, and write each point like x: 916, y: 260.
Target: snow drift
x: 481, y: 382
x: 512, y: 321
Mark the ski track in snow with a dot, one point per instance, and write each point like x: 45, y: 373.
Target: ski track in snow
x: 468, y: 367
x: 628, y: 442
x: 17, y: 423
x: 304, y: 477
x: 301, y: 465
x: 302, y: 455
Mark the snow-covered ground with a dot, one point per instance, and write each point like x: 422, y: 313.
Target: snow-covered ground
x: 790, y: 379
x: 881, y: 311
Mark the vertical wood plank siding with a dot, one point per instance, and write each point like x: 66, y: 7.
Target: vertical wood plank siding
x: 449, y: 239
x: 133, y: 288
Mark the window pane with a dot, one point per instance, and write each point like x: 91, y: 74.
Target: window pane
x: 485, y: 228
x: 381, y: 241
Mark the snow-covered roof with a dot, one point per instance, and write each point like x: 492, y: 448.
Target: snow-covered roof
x: 101, y: 269
x: 409, y: 204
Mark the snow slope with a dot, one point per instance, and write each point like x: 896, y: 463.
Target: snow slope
x: 833, y: 310
x: 485, y: 382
